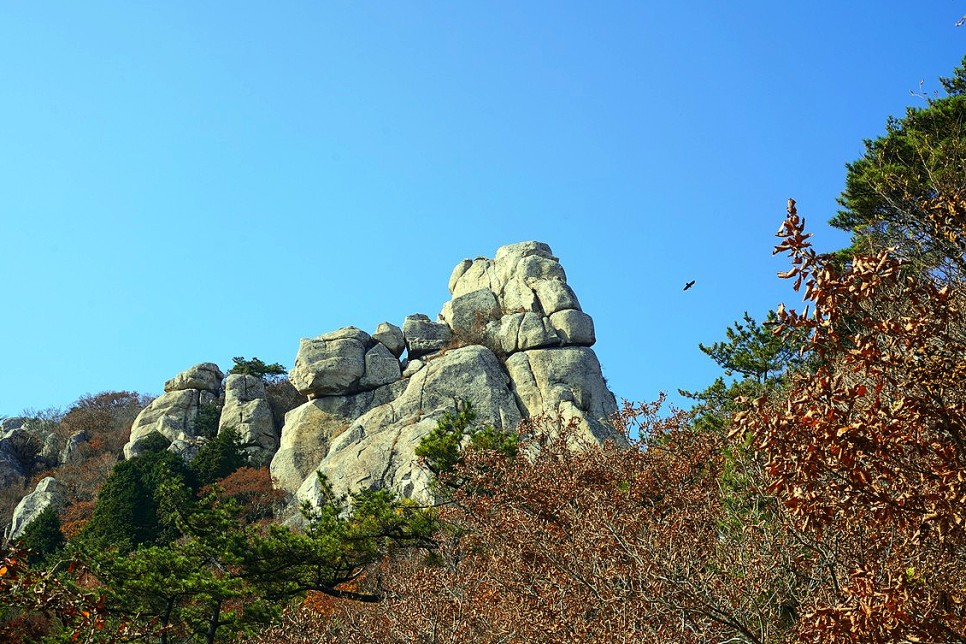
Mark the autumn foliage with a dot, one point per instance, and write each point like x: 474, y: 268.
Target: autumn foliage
x: 601, y: 543
x: 867, y: 453
x: 831, y: 511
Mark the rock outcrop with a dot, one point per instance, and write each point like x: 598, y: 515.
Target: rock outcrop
x: 74, y: 441
x: 343, y: 362
x: 174, y: 413
x: 204, y: 377
x: 11, y: 470
x: 15, y: 453
x: 11, y: 423
x: 49, y: 491
x: 248, y: 411
x: 512, y: 341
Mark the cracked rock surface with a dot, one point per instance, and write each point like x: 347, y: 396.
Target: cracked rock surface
x: 512, y: 341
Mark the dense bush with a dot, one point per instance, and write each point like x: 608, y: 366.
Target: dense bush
x: 42, y: 537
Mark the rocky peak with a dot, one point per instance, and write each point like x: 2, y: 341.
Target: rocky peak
x: 512, y: 341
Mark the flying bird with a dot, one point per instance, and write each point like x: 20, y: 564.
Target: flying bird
x: 689, y: 285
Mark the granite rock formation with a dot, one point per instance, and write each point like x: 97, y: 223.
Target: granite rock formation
x: 174, y: 413
x: 512, y: 341
x: 49, y: 491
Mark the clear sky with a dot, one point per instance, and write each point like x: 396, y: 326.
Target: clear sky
x: 184, y: 182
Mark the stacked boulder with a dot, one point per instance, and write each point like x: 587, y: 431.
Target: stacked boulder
x: 513, y: 341
x: 174, y: 413
x: 248, y: 412
x: 520, y: 306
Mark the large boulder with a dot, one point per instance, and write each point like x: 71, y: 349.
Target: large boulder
x: 173, y: 415
x: 573, y: 327
x: 468, y: 314
x: 48, y: 492
x: 423, y: 336
x: 310, y: 429
x: 565, y: 381
x: 342, y: 362
x: 377, y: 449
x: 205, y: 377
x: 382, y: 368
x: 391, y: 336
x: 248, y: 411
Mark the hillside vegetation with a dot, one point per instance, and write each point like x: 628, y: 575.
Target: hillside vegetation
x: 814, y: 493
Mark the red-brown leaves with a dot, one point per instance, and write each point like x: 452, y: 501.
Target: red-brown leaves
x: 596, y: 544
x: 867, y: 450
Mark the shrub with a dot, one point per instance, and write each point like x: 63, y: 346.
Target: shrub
x: 43, y: 536
x: 219, y: 457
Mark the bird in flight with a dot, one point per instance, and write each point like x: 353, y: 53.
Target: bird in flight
x: 689, y: 285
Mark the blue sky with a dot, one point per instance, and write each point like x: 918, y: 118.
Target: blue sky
x: 184, y: 182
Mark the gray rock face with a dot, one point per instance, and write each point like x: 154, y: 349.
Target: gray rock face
x: 514, y: 276
x: 411, y: 367
x: 16, y: 451
x: 424, y: 336
x: 306, y: 439
x: 391, y: 336
x: 566, y: 381
x: 342, y: 362
x: 310, y: 429
x: 48, y: 492
x: 520, y: 332
x: 173, y: 415
x: 74, y: 441
x: 377, y: 449
x: 52, y: 451
x: 11, y: 470
x: 205, y: 377
x: 247, y: 409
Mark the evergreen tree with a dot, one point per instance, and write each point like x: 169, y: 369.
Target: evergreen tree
x: 42, y: 536
x: 756, y: 354
x: 890, y: 199
x: 442, y: 449
x: 126, y: 513
x: 218, y: 458
x: 257, y: 368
